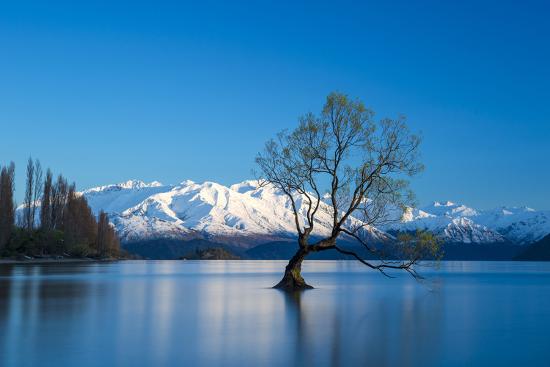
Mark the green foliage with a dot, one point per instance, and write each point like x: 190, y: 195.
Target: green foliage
x: 213, y: 253
x: 35, y: 243
x: 50, y: 242
x: 21, y: 242
x: 40, y: 242
x: 421, y: 245
x: 80, y: 250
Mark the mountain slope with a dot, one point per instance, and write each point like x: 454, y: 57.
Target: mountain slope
x: 457, y: 223
x: 539, y: 251
x: 244, y: 213
x: 248, y: 214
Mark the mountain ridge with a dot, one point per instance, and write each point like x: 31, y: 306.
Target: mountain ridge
x: 249, y: 214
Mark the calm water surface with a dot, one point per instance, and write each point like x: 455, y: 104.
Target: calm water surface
x: 187, y: 313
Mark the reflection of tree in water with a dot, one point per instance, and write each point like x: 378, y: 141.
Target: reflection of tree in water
x: 293, y: 303
x: 5, y: 292
x: 306, y: 339
x: 358, y: 330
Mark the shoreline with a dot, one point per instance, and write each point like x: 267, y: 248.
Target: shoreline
x: 7, y: 261
x: 4, y: 261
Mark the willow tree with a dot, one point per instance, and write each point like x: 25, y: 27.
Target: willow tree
x: 345, y: 163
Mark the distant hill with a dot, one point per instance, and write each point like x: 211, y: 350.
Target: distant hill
x: 481, y: 252
x: 469, y: 252
x: 170, y: 249
x: 213, y: 253
x: 539, y: 251
x: 284, y: 250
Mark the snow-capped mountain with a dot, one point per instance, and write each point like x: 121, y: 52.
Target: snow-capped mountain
x: 247, y: 213
x: 461, y: 224
x: 244, y: 213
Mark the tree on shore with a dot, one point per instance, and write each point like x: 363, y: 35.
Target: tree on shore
x: 79, y: 223
x: 107, y: 241
x: 37, y: 193
x: 59, y: 195
x: 363, y: 165
x: 7, y: 207
x: 66, y: 223
x: 33, y: 190
x: 113, y: 242
x: 46, y: 203
x: 102, y: 228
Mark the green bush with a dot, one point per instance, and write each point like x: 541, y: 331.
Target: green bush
x: 80, y: 250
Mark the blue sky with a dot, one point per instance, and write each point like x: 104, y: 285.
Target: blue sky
x: 109, y: 91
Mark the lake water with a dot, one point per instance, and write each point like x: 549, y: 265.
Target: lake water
x: 223, y: 313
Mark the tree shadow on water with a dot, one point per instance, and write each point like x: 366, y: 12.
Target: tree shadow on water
x: 340, y: 329
x: 314, y: 342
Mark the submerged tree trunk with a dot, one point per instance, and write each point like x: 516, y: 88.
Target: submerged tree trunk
x: 292, y: 279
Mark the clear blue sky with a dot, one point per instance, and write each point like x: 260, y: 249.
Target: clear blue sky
x: 108, y: 91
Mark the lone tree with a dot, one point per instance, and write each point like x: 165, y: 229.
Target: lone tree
x: 344, y: 163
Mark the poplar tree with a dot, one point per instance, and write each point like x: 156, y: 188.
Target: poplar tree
x: 33, y: 189
x: 29, y: 191
x: 46, y: 204
x: 58, y: 202
x: 79, y: 223
x: 7, y: 213
x: 37, y: 189
x: 103, y: 234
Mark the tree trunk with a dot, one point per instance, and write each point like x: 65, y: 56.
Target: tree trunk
x: 292, y: 279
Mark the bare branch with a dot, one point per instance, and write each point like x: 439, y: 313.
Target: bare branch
x: 407, y: 266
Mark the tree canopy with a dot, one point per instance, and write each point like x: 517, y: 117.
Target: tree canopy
x: 359, y: 167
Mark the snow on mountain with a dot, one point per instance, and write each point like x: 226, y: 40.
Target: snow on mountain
x: 244, y: 212
x: 119, y: 197
x: 249, y: 213
x: 464, y: 230
x: 521, y: 225
x: 461, y: 224
x: 450, y: 209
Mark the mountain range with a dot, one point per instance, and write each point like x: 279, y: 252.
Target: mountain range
x: 247, y: 214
